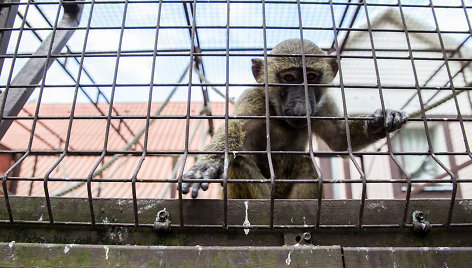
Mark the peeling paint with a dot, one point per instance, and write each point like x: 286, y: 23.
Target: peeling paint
x: 377, y: 205
x: 147, y: 207
x: 288, y: 260
x: 119, y: 234
x: 466, y: 205
x: 68, y: 247
x: 107, y: 249
x: 246, y: 222
x: 366, y: 252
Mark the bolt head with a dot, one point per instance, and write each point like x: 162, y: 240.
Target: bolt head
x: 306, y: 236
x: 420, y: 215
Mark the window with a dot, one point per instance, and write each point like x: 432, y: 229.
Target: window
x: 421, y: 166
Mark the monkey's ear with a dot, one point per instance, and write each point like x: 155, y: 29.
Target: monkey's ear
x: 334, y: 65
x: 257, y: 67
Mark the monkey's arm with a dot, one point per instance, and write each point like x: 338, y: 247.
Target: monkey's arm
x: 210, y: 166
x: 362, y: 132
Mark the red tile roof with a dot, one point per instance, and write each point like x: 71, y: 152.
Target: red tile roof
x: 89, y: 135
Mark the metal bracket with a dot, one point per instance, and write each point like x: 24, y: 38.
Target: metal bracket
x: 32, y: 72
x: 420, y: 224
x: 162, y: 222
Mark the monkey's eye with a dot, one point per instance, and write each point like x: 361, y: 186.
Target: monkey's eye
x: 289, y: 78
x: 311, y: 77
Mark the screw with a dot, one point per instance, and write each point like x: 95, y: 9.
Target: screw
x: 419, y: 216
x: 306, y: 237
x: 163, y: 215
x: 420, y: 224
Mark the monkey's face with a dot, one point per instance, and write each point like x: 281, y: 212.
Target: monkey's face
x: 293, y: 96
x: 285, y: 66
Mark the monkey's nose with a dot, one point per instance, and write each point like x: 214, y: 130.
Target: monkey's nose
x: 300, y: 109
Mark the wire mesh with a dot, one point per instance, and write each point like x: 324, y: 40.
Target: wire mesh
x: 138, y: 88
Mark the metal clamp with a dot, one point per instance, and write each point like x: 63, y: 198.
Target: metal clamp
x: 162, y: 222
x: 420, y: 224
x: 305, y: 239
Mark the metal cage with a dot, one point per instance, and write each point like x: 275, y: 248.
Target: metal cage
x: 104, y: 104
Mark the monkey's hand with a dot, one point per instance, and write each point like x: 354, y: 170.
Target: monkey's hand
x: 201, y: 170
x: 393, y: 120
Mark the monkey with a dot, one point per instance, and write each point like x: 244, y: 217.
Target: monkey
x: 290, y: 134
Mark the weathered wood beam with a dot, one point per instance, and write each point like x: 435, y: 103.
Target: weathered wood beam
x: 204, y: 222
x: 56, y: 255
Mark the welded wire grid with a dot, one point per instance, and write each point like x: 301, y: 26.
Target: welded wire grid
x: 129, y: 62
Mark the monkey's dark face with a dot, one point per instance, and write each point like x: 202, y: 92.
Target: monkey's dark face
x: 292, y: 96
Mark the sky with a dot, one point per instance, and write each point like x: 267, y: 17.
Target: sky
x: 137, y: 70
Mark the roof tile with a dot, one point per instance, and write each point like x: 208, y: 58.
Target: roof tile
x: 90, y: 134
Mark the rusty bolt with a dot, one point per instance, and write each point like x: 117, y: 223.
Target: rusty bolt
x: 419, y: 216
x: 306, y: 237
x: 162, y: 223
x: 163, y: 215
x: 420, y: 224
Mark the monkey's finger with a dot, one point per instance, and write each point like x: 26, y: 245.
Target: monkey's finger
x: 210, y: 173
x: 186, y: 185
x: 377, y: 124
x: 188, y: 175
x: 404, y: 117
x: 184, y: 188
x: 389, y: 120
x: 397, y: 120
x: 196, y: 185
x: 400, y: 119
x: 195, y: 188
x: 205, y: 185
